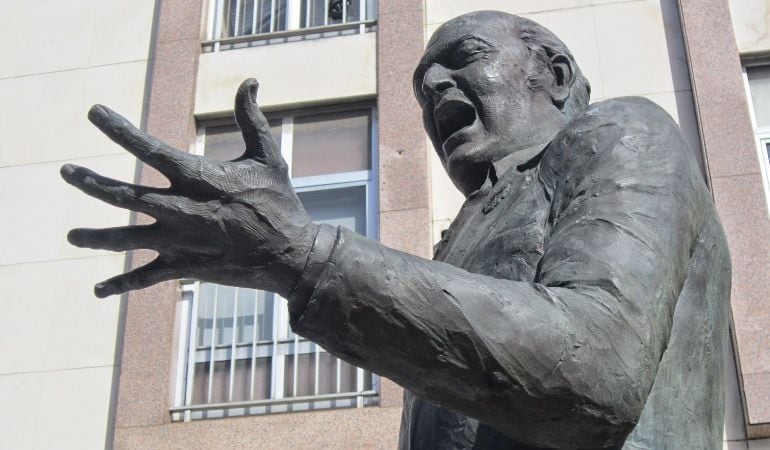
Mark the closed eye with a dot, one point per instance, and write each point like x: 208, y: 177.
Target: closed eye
x: 467, y: 51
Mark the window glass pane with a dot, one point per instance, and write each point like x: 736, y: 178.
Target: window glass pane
x: 312, y: 13
x: 354, y: 11
x: 347, y: 377
x: 262, y: 378
x: 225, y: 309
x: 331, y: 143
x: 371, y: 9
x: 221, y: 384
x: 205, y: 314
x: 759, y: 84
x: 247, y: 299
x: 200, y: 383
x: 327, y: 374
x: 306, y: 374
x: 246, y: 25
x: 242, y: 380
x: 280, y: 15
x: 340, y: 207
x: 225, y: 143
x: 265, y: 312
x: 288, y: 376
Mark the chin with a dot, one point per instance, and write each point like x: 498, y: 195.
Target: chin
x: 467, y: 166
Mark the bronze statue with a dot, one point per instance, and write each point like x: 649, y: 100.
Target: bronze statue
x: 578, y: 300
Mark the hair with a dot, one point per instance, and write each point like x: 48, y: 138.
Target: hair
x: 543, y: 45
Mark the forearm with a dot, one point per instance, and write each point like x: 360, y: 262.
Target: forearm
x: 494, y: 349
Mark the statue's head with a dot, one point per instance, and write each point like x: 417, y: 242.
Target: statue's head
x: 491, y: 84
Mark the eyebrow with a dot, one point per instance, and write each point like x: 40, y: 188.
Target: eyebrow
x: 438, y: 48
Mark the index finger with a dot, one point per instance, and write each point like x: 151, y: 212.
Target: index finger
x: 168, y: 160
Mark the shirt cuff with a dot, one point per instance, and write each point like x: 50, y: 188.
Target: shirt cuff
x: 320, y: 255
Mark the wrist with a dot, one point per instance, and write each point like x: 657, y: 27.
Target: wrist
x: 324, y: 242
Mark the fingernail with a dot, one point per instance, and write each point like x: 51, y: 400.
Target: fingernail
x: 97, y: 113
x: 75, y: 237
x: 100, y: 290
x: 67, y: 170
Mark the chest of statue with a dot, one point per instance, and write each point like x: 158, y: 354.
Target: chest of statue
x: 500, y: 229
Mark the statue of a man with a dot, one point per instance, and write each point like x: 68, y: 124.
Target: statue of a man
x: 578, y: 300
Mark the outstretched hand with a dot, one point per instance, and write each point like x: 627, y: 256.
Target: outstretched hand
x: 234, y: 222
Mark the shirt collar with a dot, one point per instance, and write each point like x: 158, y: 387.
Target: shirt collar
x: 526, y: 157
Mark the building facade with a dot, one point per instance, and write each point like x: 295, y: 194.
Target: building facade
x: 194, y: 365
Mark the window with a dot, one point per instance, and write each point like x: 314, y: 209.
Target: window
x: 229, y: 19
x: 757, y: 78
x: 237, y: 354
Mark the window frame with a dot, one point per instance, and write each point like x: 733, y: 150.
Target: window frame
x: 183, y: 409
x: 761, y: 134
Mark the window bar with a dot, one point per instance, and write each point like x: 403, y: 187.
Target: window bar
x: 344, y: 11
x: 339, y: 375
x: 359, y: 387
x: 308, y: 5
x: 218, y: 19
x: 362, y: 15
x: 233, y: 344
x: 272, y: 15
x: 210, y: 19
x: 317, y: 369
x: 278, y: 360
x: 296, y: 366
x: 183, y: 347
x: 236, y: 31
x: 293, y: 15
x: 213, y: 345
x: 287, y: 141
x: 254, y: 338
x: 326, y: 12
x: 192, y: 349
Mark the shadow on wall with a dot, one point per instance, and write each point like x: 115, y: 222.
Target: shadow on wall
x: 677, y: 58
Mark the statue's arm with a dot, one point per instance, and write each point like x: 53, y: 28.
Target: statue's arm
x: 576, y: 350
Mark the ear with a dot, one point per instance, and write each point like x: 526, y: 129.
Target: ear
x: 563, y: 76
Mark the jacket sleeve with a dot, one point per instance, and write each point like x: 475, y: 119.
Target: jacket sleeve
x: 567, y: 360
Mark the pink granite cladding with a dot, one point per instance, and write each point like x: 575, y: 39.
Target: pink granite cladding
x: 718, y: 87
x: 742, y: 208
x: 403, y: 151
x: 144, y: 385
x: 757, y: 386
x: 367, y: 428
x: 723, y: 114
x: 403, y: 165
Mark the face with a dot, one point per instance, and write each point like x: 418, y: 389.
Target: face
x: 472, y: 86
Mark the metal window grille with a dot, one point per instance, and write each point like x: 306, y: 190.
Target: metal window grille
x: 237, y: 354
x: 232, y: 20
x: 243, y: 359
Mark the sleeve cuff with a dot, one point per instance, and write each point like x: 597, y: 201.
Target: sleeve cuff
x: 320, y: 254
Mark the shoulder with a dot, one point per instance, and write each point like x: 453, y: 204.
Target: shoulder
x: 622, y: 121
x: 623, y: 135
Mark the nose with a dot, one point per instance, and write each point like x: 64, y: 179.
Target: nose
x: 437, y: 79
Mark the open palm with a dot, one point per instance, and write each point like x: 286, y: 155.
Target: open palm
x: 233, y: 222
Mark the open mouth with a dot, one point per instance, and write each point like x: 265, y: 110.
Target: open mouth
x: 452, y: 115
